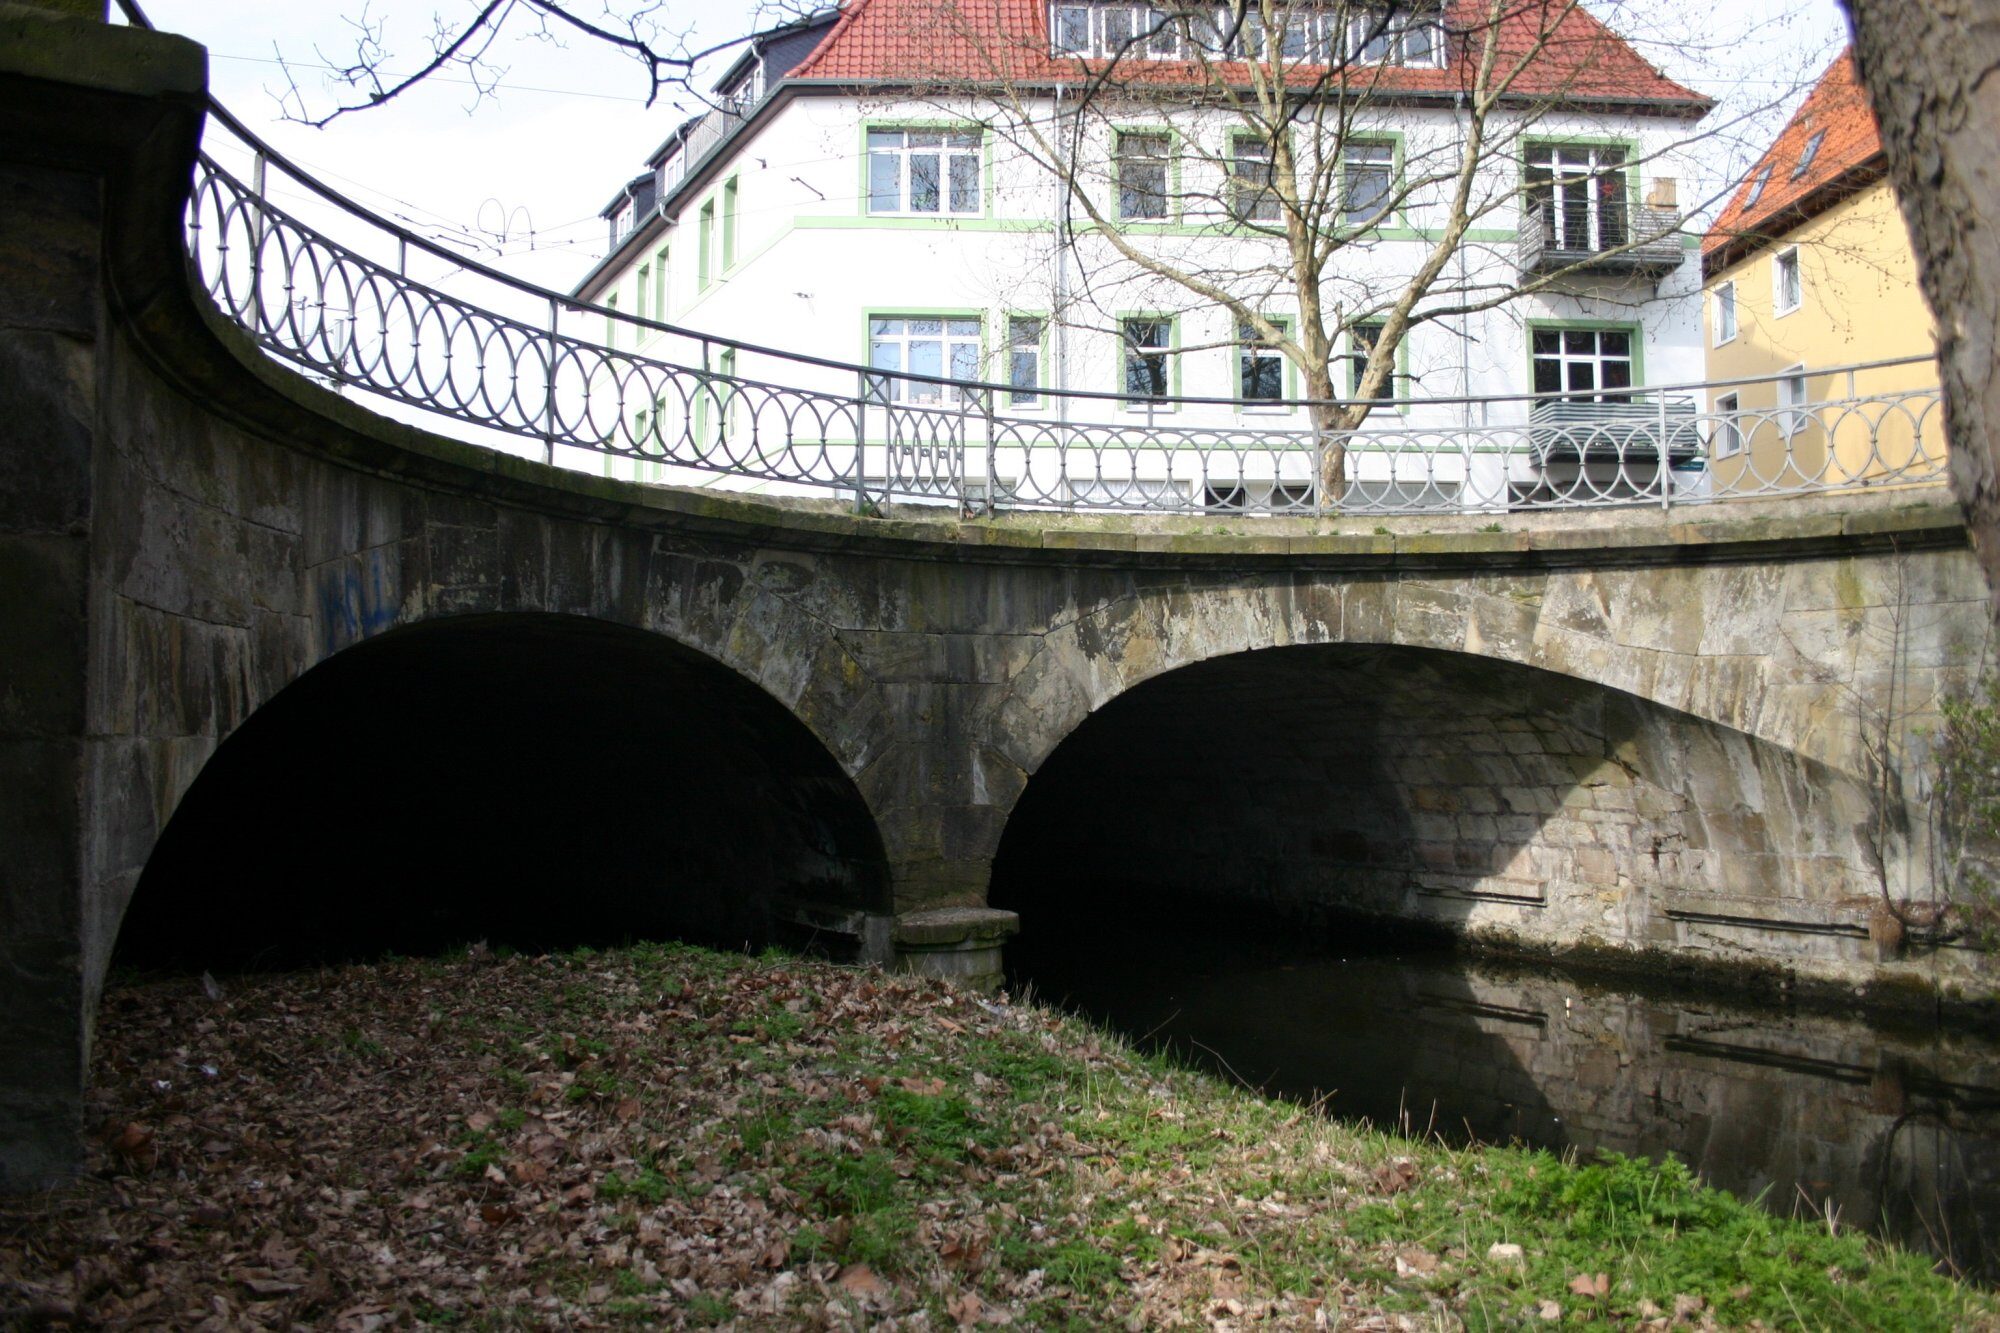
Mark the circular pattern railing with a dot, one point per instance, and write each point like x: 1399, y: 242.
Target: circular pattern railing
x: 680, y: 405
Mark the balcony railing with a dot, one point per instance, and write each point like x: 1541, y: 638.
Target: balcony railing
x: 713, y: 130
x: 1653, y: 246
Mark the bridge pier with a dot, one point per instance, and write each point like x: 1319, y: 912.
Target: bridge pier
x: 63, y: 857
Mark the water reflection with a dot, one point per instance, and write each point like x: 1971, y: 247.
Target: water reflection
x: 1898, y: 1131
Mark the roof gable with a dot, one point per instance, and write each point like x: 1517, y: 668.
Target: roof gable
x: 1832, y: 140
x: 986, y: 41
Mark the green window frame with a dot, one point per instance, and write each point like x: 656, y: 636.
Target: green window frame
x: 1027, y: 341
x: 1589, y: 361
x: 1369, y: 169
x: 1146, y: 357
x: 1143, y: 171
x: 1361, y: 340
x: 1252, y: 169
x: 1263, y: 373
x: 729, y: 215
x: 947, y: 344
x: 704, y: 241
x: 924, y: 171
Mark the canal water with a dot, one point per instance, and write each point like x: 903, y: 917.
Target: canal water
x: 1895, y: 1130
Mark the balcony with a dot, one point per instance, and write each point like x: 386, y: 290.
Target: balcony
x: 1652, y: 246
x: 729, y: 115
x: 1629, y: 429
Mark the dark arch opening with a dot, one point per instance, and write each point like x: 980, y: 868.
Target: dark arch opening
x: 1221, y: 831
x: 537, y: 781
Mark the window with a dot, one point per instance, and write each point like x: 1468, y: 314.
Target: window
x: 1757, y: 184
x: 1260, y: 368
x: 1316, y: 34
x: 1368, y: 176
x: 1579, y: 193
x: 611, y: 320
x: 726, y: 363
x: 714, y: 404
x: 1808, y: 153
x: 923, y: 171
x: 1388, y: 37
x: 645, y: 288
x: 1792, y: 398
x: 1361, y: 340
x: 1583, y: 362
x: 621, y: 222
x: 1787, y: 287
x: 1725, y: 313
x: 1142, y: 175
x: 945, y: 347
x: 1024, y: 360
x: 1122, y: 31
x: 1727, y: 438
x: 704, y: 240
x: 1294, y: 41
x: 660, y: 286
x: 1251, y: 198
x: 729, y: 223
x: 1147, y: 342
x: 1070, y: 30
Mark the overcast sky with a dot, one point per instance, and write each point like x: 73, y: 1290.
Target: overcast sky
x: 521, y: 174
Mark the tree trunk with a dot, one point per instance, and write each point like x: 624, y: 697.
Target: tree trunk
x: 1330, y: 432
x: 1930, y: 68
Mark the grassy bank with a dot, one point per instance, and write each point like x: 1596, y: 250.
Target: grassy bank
x: 671, y: 1137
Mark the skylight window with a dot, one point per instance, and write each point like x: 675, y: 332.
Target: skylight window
x: 1757, y: 185
x: 1807, y: 155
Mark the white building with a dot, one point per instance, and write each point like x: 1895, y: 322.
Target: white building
x: 875, y: 188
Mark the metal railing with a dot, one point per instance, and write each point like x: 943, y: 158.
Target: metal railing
x: 1644, y: 240
x: 693, y: 407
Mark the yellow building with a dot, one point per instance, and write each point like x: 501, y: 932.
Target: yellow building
x: 1809, y: 268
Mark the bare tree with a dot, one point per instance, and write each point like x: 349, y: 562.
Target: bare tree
x: 1310, y: 91
x: 465, y: 44
x: 1930, y: 67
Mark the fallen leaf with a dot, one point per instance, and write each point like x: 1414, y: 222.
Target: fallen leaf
x: 861, y: 1282
x: 1415, y: 1262
x: 1588, y: 1284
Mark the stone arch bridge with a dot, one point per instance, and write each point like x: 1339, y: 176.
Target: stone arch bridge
x: 1630, y: 730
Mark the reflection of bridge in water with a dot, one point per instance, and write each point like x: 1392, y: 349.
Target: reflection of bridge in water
x: 691, y: 407
x: 1897, y: 1132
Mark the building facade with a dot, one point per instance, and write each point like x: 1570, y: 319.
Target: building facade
x: 931, y: 190
x: 1808, y: 270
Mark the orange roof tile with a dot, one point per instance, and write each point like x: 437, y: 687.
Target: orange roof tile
x: 991, y: 40
x: 1837, y: 117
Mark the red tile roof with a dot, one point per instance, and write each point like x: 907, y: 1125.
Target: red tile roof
x: 1849, y: 153
x: 987, y: 40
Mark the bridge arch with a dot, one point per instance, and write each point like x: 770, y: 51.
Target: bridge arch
x: 529, y: 779
x: 1439, y: 786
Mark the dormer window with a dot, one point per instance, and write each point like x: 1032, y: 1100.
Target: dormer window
x: 1312, y: 35
x: 1757, y: 184
x: 1808, y: 153
x: 621, y: 222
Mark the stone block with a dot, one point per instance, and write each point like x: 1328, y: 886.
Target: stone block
x: 46, y: 433
x: 50, y: 238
